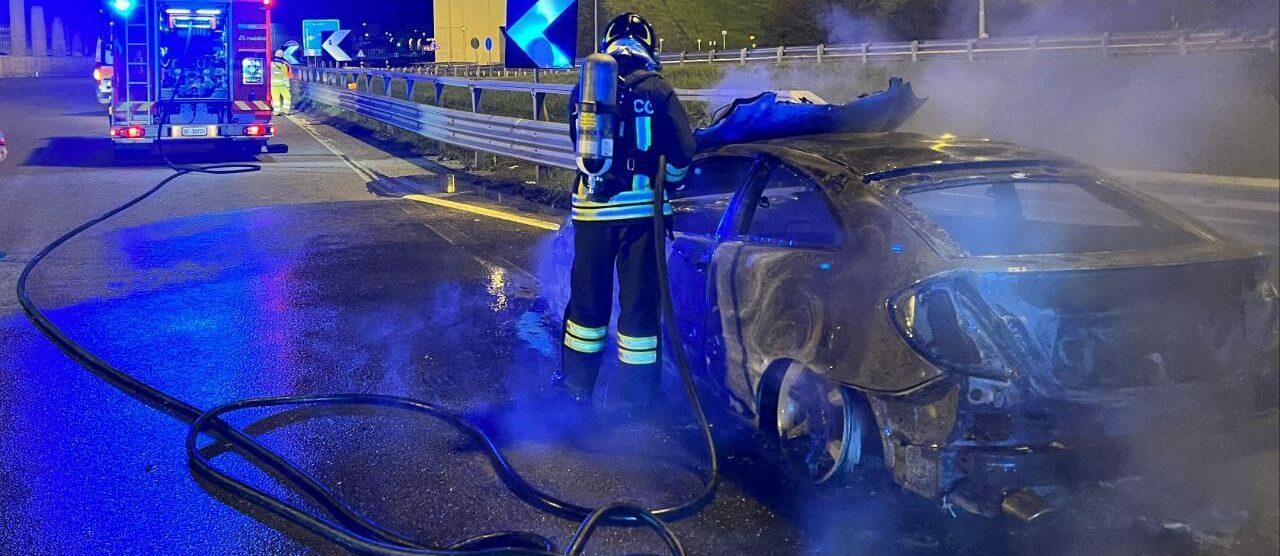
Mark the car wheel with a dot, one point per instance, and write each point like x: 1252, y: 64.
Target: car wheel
x: 819, y: 429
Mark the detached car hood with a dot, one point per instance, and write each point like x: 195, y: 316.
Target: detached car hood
x: 767, y: 116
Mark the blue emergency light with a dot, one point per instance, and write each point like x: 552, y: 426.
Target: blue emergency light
x: 122, y: 5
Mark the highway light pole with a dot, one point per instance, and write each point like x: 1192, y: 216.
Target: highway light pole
x: 982, y: 19
x: 724, y: 39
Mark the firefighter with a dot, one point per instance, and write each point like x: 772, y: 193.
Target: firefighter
x: 612, y: 218
x: 281, y: 81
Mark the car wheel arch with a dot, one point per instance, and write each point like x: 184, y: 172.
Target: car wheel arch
x: 769, y: 388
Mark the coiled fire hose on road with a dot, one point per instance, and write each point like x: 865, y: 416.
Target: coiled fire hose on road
x: 342, y: 525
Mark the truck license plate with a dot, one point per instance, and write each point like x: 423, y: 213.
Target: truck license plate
x: 195, y: 131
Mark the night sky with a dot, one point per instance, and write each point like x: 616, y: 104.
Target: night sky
x: 393, y: 14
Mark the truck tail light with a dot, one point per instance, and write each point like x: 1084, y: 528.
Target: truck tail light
x: 257, y: 130
x: 130, y: 132
x: 939, y: 324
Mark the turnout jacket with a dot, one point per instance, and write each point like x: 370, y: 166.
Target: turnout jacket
x: 651, y: 123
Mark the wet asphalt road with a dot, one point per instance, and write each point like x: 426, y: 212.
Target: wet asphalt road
x: 292, y: 280
x: 298, y: 280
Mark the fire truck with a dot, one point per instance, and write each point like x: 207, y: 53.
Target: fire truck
x: 190, y: 71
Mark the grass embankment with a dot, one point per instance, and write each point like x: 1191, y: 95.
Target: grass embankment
x: 681, y: 24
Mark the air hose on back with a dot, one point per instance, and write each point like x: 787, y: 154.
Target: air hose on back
x: 341, y: 524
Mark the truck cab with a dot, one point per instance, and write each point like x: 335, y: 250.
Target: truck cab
x: 190, y: 71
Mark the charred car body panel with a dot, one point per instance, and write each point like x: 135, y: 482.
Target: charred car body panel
x: 997, y: 306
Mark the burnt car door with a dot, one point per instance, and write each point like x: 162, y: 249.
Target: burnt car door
x: 770, y: 276
x: 699, y: 206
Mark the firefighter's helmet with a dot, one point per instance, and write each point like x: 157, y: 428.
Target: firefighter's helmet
x: 630, y: 26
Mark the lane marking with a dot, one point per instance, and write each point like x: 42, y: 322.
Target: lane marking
x: 331, y: 147
x: 437, y: 201
x: 483, y: 211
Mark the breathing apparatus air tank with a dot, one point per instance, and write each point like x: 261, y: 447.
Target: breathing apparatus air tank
x: 597, y: 115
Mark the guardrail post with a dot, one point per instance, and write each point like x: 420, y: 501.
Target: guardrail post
x: 1106, y: 44
x: 408, y: 88
x: 781, y: 52
x: 439, y: 93
x: 822, y: 49
x: 540, y: 172
x: 969, y: 44
x: 711, y: 56
x: 743, y: 57
x: 539, y: 106
x: 386, y: 85
x: 865, y: 50
x: 683, y: 54
x: 915, y: 51
x: 476, y: 92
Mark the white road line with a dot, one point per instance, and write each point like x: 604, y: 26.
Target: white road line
x: 327, y: 144
x: 432, y: 200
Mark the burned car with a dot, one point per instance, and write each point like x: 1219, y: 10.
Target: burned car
x: 977, y: 321
x: 968, y: 315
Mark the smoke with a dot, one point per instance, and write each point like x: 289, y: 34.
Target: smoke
x: 843, y: 26
x: 1207, y: 112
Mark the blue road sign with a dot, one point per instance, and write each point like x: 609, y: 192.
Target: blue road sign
x: 313, y: 34
x: 542, y: 33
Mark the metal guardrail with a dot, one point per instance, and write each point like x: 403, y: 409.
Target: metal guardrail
x: 1107, y: 44
x: 542, y: 143
x: 477, y: 87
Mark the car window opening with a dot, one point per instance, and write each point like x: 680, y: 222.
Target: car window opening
x: 701, y: 202
x: 1028, y: 217
x: 792, y: 212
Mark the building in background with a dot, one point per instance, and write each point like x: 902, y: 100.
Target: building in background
x: 470, y: 31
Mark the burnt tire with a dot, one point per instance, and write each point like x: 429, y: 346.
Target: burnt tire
x: 825, y: 431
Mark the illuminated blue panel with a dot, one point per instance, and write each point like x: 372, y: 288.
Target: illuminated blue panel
x: 543, y: 33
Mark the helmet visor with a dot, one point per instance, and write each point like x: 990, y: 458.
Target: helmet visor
x: 628, y: 46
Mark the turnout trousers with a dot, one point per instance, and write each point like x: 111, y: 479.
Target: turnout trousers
x: 599, y: 248
x: 282, y: 99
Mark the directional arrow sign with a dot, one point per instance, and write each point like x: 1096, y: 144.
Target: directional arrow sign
x: 312, y: 29
x: 291, y: 51
x: 543, y: 33
x: 332, y: 45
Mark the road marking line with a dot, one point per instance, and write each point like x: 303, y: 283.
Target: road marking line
x: 491, y: 213
x: 473, y: 209
x: 327, y: 144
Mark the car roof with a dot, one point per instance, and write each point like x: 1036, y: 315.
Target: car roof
x: 878, y: 153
